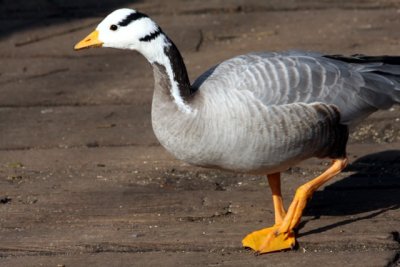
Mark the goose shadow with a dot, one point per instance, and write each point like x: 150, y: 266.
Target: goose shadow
x: 372, y: 188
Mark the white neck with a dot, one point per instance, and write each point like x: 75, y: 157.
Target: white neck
x: 155, y: 52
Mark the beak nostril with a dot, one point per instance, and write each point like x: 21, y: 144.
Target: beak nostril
x: 89, y: 41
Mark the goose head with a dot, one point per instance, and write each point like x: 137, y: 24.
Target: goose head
x: 128, y: 29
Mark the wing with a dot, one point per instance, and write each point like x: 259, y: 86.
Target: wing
x: 294, y: 77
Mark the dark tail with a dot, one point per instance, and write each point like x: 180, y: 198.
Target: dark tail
x: 363, y: 59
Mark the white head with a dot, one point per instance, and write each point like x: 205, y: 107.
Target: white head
x: 128, y: 29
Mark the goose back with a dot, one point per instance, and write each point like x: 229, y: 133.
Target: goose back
x: 302, y: 77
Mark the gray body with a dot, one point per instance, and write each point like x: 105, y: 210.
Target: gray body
x: 266, y: 112
x: 262, y: 113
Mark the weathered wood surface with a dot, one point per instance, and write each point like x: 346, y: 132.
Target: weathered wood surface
x: 84, y: 182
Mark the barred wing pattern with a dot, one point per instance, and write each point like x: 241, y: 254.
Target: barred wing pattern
x: 293, y: 77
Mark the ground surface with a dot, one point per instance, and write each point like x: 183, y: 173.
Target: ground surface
x: 84, y: 182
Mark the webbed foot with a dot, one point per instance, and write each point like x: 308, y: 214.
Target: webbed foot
x: 269, y: 240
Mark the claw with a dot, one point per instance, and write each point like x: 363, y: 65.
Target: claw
x: 269, y: 240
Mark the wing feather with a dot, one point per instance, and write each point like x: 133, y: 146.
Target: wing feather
x: 298, y: 77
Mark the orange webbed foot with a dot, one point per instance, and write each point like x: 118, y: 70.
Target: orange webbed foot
x: 269, y: 240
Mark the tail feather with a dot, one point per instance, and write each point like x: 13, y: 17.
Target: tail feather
x: 363, y: 59
x: 381, y: 74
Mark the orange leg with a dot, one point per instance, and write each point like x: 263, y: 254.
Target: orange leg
x: 304, y: 192
x: 281, y: 235
x: 274, y: 181
x: 256, y: 239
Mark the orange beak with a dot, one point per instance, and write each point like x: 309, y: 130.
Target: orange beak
x: 92, y: 40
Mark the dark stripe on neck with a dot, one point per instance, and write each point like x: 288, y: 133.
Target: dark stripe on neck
x: 132, y: 17
x: 179, y: 71
x: 152, y: 35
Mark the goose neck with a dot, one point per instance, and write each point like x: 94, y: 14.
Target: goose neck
x: 171, y: 77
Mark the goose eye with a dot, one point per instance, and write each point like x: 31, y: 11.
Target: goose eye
x: 113, y: 27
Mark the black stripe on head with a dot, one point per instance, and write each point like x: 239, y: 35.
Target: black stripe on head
x: 152, y: 35
x: 132, y: 17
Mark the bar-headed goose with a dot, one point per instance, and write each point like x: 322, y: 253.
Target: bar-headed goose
x: 256, y: 113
